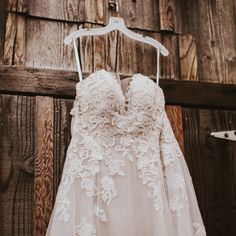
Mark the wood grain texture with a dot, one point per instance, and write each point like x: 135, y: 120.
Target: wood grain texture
x: 17, y: 6
x: 98, y: 52
x: 45, y: 47
x: 14, y: 47
x: 170, y: 15
x: 212, y: 165
x: 43, y: 180
x: 138, y: 14
x: 10, y: 36
x: 2, y: 28
x: 61, y: 138
x: 135, y: 57
x: 15, y: 80
x: 174, y: 114
x: 16, y: 164
x: 212, y: 23
x: 169, y: 67
x: 188, y: 57
x: 69, y: 10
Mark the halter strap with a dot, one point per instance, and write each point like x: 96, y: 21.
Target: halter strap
x: 77, y: 61
x: 158, y: 66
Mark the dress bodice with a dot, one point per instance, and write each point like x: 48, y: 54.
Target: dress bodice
x: 100, y: 104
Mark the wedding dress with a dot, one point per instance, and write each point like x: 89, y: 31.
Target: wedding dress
x: 124, y: 173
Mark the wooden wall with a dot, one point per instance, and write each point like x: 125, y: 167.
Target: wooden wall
x: 35, y: 101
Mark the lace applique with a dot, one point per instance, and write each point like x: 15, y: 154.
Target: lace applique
x: 149, y: 173
x: 108, y: 191
x: 85, y: 228
x: 81, y: 163
x: 170, y: 150
x: 124, y: 146
x: 114, y: 167
x: 90, y: 187
x: 180, y: 184
x: 199, y: 229
x: 175, y: 205
x: 100, y: 213
x: 180, y: 193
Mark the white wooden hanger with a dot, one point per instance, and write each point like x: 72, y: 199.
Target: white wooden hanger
x: 115, y: 23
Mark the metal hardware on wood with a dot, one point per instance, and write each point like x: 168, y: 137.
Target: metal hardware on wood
x: 229, y: 135
x: 113, y: 5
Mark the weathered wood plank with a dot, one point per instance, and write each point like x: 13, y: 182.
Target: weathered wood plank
x: 188, y: 57
x: 94, y: 11
x: 17, y: 5
x: 15, y: 80
x: 212, y: 164
x: 16, y: 164
x: 61, y: 138
x: 135, y: 57
x: 11, y: 31
x: 170, y: 15
x: 212, y: 23
x: 169, y: 66
x: 194, y: 152
x: 98, y: 52
x: 45, y: 47
x: 2, y: 28
x: 14, y: 47
x: 139, y: 14
x: 43, y: 181
x: 174, y: 114
x: 69, y: 10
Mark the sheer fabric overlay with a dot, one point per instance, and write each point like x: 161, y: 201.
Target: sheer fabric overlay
x: 124, y: 172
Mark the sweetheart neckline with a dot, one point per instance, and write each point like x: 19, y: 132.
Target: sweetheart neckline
x: 113, y: 76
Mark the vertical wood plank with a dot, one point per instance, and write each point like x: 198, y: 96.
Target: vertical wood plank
x: 174, y: 114
x: 188, y: 57
x: 11, y: 31
x: 98, y: 52
x: 2, y: 28
x: 61, y: 138
x: 17, y: 5
x: 135, y: 57
x: 45, y: 47
x: 43, y: 183
x: 194, y: 153
x: 16, y: 164
x: 137, y: 14
x: 20, y: 41
x: 170, y: 64
x: 212, y: 164
x: 94, y: 11
x: 15, y: 40
x: 212, y: 23
x: 69, y: 10
x: 170, y: 15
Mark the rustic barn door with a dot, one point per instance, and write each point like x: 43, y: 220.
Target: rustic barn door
x: 37, y: 89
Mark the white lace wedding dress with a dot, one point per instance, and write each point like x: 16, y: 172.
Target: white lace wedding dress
x: 124, y: 173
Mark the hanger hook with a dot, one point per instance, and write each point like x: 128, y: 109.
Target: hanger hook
x: 113, y: 5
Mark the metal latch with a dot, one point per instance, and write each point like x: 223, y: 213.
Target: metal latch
x: 229, y: 135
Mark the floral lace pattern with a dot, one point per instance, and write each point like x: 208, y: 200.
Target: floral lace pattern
x: 85, y: 228
x: 108, y: 190
x: 100, y: 213
x: 107, y: 134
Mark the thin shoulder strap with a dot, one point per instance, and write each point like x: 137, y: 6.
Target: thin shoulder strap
x: 77, y: 61
x: 158, y: 65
